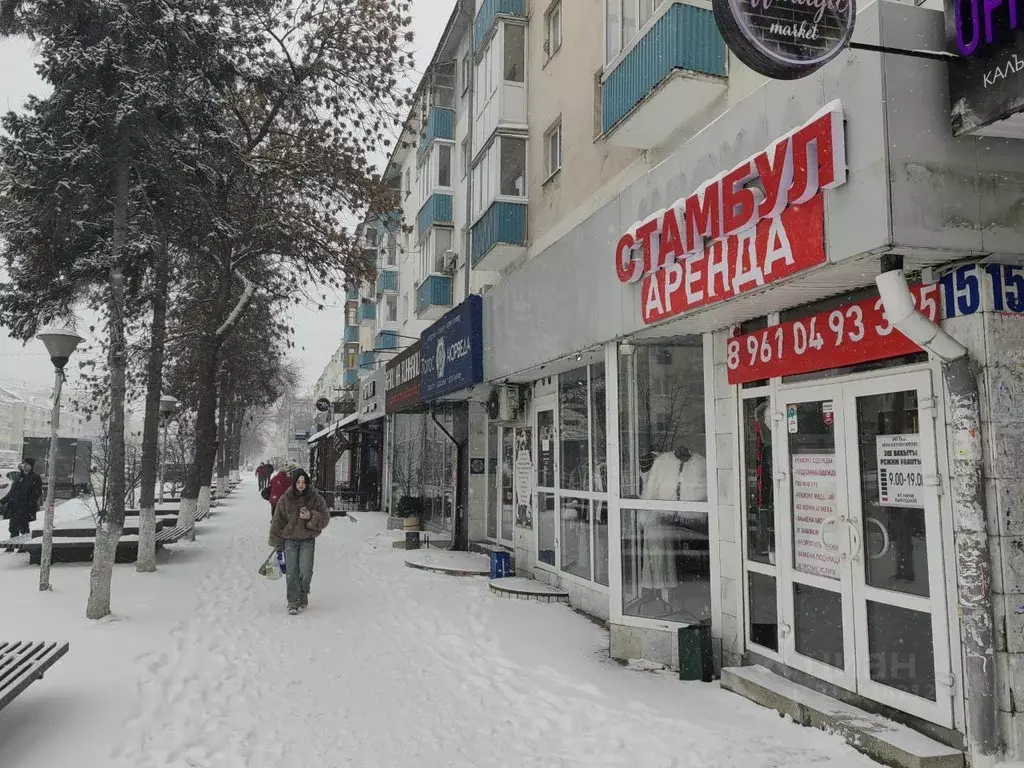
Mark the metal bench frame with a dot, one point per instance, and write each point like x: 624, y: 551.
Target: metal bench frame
x: 24, y: 662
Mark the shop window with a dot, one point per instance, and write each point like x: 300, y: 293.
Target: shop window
x: 666, y: 565
x: 492, y: 485
x: 599, y: 443
x: 574, y: 430
x: 423, y: 467
x: 576, y: 536
x: 600, y: 518
x: 758, y: 480
x: 546, y: 528
x: 661, y: 422
x: 507, y: 481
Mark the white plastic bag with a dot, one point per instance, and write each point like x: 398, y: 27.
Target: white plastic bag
x: 270, y: 567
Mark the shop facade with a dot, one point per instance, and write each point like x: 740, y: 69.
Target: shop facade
x: 727, y: 428
x: 372, y: 440
x: 421, y: 468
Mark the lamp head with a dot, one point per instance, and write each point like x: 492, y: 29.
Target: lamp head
x: 168, y: 405
x: 60, y: 344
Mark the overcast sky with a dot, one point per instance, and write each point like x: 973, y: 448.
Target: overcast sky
x: 317, y: 333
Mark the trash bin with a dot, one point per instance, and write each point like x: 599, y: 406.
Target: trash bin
x: 501, y: 565
x: 696, y: 659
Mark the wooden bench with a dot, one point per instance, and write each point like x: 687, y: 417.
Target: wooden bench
x: 14, y: 544
x: 83, y: 531
x: 22, y: 663
x: 71, y: 549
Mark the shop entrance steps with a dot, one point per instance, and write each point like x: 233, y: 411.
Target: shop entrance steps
x: 877, y: 737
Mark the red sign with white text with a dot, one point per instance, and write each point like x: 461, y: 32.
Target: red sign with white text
x: 746, y: 228
x: 848, y: 335
x: 776, y: 248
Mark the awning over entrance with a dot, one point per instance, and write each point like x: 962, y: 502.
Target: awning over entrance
x: 352, y: 418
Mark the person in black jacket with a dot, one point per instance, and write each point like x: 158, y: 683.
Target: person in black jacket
x: 22, y: 502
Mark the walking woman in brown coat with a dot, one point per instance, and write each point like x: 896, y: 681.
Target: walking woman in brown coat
x: 301, y: 515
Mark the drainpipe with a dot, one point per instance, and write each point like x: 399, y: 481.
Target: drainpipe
x: 973, y: 560
x: 457, y: 511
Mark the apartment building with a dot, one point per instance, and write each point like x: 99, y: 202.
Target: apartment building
x: 27, y: 413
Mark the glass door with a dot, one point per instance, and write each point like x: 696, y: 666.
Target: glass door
x: 546, y: 452
x: 492, y: 475
x: 817, y: 586
x: 897, y: 564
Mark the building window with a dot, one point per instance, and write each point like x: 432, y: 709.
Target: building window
x: 553, y: 148
x: 442, y: 244
x: 391, y: 254
x: 467, y: 69
x: 553, y: 28
x: 666, y: 571
x: 514, y: 70
x: 444, y: 165
x: 623, y: 21
x: 513, y: 167
x: 465, y: 157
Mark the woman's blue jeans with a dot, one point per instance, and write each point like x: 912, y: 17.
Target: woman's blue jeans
x: 298, y: 562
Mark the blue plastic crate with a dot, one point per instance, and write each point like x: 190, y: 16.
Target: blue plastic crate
x: 501, y: 565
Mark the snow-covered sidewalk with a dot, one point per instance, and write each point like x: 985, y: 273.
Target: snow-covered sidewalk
x: 390, y: 667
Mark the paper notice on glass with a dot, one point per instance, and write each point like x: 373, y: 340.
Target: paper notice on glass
x: 900, y: 471
x: 814, y: 503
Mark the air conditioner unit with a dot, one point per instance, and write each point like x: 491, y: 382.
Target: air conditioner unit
x: 505, y: 403
x: 449, y: 262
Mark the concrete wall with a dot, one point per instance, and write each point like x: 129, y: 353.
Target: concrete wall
x: 564, y: 85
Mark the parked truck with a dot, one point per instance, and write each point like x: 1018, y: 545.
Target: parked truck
x: 74, y: 464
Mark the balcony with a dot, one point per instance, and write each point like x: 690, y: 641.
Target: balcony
x: 387, y: 281
x: 367, y: 312
x: 434, y: 293
x: 386, y: 340
x: 352, y: 294
x: 499, y: 236
x: 678, y: 67
x: 437, y: 210
x: 351, y: 377
x: 489, y: 13
x: 367, y: 360
x: 351, y: 335
x: 440, y: 125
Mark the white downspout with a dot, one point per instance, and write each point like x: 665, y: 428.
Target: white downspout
x: 973, y: 560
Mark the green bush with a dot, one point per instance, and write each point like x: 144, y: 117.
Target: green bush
x: 409, y: 506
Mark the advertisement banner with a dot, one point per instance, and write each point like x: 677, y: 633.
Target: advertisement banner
x: 986, y: 82
x: 453, y: 351
x: 900, y: 471
x: 850, y: 334
x: 402, y: 380
x: 815, y: 519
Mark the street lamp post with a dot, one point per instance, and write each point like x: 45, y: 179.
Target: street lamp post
x: 60, y: 344
x: 168, y: 405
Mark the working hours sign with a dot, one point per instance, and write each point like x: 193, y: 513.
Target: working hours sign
x: 900, y: 471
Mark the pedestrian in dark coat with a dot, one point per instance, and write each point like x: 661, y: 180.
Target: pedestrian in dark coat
x: 21, y: 504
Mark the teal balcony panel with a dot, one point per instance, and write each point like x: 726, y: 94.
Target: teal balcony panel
x: 437, y: 210
x: 351, y: 334
x: 366, y: 312
x: 351, y: 377
x: 440, y: 125
x: 503, y: 223
x: 387, y: 281
x: 386, y: 340
x: 435, y: 291
x: 685, y: 39
x: 367, y: 359
x: 489, y: 13
x: 352, y: 294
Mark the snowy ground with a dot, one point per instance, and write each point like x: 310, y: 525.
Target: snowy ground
x: 390, y: 667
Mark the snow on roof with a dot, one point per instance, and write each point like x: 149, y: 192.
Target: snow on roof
x: 336, y: 425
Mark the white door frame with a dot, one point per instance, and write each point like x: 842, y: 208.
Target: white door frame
x: 856, y: 592
x: 541, y: 404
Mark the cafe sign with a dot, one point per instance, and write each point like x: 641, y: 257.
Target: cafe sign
x: 756, y: 224
x: 786, y: 39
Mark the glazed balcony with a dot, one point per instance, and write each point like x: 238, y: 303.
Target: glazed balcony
x: 386, y: 340
x: 387, y: 281
x: 367, y: 312
x: 667, y: 76
x: 351, y: 377
x: 490, y: 12
x: 440, y: 125
x: 351, y: 334
x: 499, y: 236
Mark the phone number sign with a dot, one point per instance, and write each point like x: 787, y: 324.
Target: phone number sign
x: 848, y: 335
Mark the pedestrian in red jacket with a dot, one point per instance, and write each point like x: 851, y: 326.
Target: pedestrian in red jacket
x: 279, y: 483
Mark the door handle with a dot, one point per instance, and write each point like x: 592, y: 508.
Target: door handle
x: 821, y: 529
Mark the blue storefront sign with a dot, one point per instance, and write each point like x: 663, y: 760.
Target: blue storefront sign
x: 452, y: 355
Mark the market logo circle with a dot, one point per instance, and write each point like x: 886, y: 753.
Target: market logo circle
x: 786, y: 39
x: 440, y: 358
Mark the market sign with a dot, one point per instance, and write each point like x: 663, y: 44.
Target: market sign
x: 786, y: 39
x: 848, y: 335
x: 759, y: 223
x: 986, y: 84
x: 402, y: 380
x: 453, y: 357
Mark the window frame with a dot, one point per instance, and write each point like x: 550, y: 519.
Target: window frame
x: 466, y: 72
x: 552, y: 14
x: 624, y: 44
x: 550, y: 169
